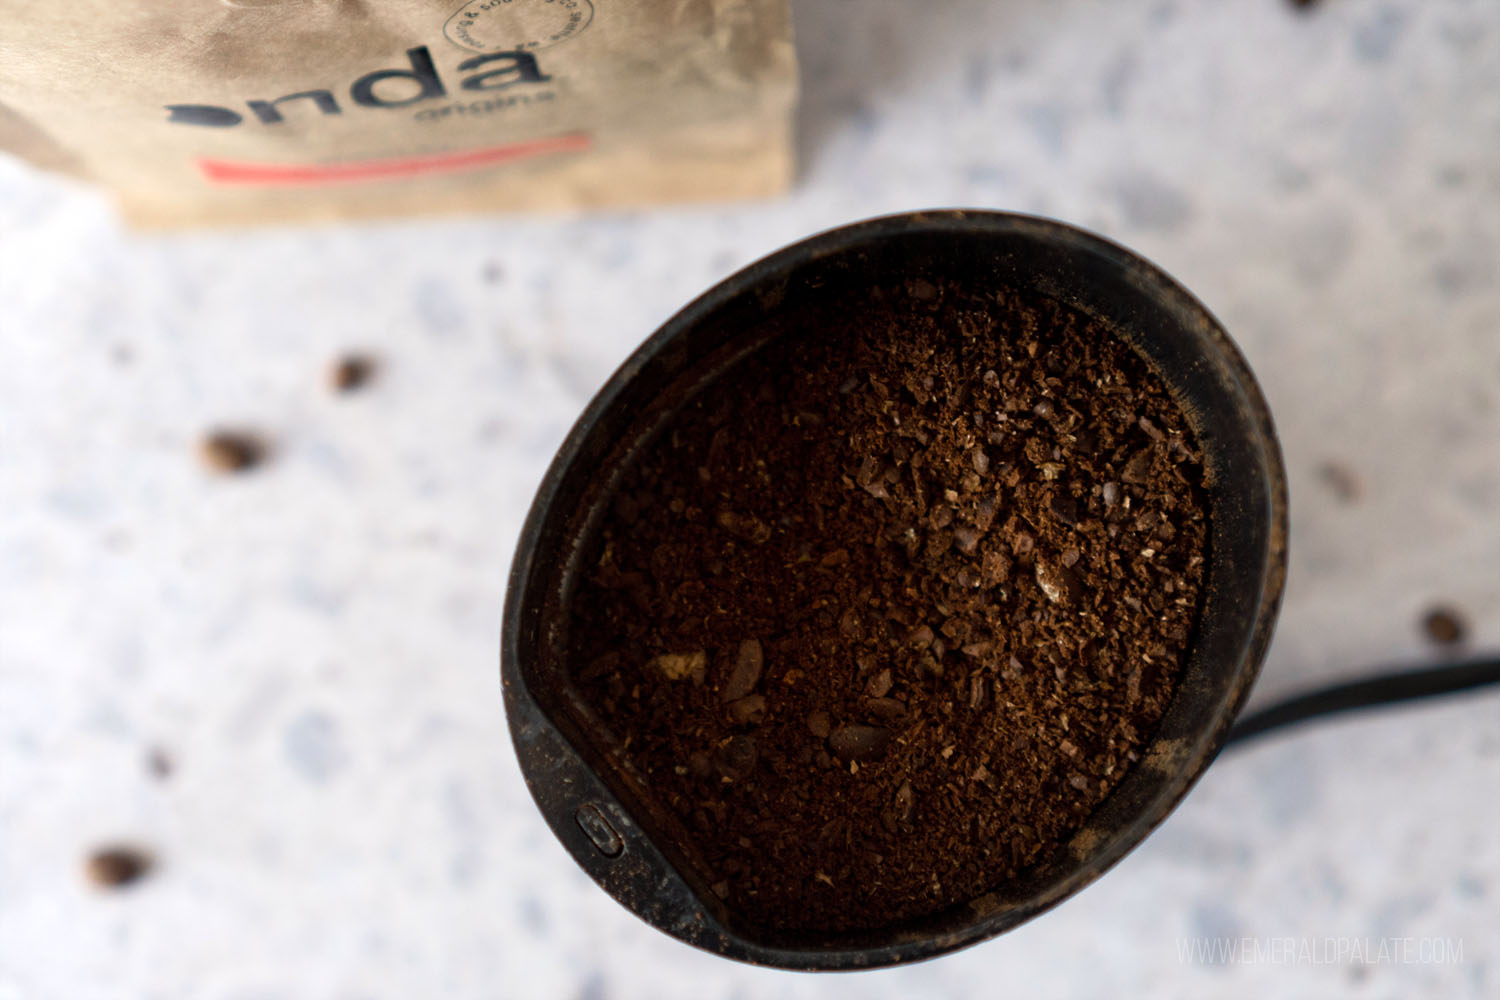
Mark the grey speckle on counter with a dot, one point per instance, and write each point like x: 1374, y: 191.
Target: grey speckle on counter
x: 312, y: 642
x: 312, y: 746
x: 1147, y: 203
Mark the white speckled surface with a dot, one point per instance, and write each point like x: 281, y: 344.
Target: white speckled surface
x: 315, y: 644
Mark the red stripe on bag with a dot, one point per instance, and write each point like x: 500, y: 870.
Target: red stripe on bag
x: 231, y: 172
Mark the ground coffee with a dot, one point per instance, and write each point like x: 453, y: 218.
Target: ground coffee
x: 883, y: 616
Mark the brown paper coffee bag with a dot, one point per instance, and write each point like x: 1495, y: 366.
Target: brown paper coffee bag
x: 234, y: 111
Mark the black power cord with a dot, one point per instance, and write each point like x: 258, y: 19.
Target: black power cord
x: 1369, y: 692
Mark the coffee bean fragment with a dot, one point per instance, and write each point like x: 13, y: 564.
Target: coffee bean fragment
x: 232, y: 451
x: 1060, y: 584
x: 859, y: 742
x: 749, y: 710
x: 601, y: 666
x: 885, y: 709
x: 1064, y: 508
x: 994, y: 568
x: 850, y: 623
x: 906, y: 801
x: 818, y: 724
x: 736, y: 758
x: 965, y: 539
x: 351, y: 372
x: 1444, y: 626
x: 879, y: 684
x: 681, y: 666
x: 744, y: 674
x: 745, y: 527
x: 118, y: 866
x: 1138, y: 468
x: 1022, y: 544
x: 985, y: 512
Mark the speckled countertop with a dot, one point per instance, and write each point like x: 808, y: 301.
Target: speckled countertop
x: 312, y: 646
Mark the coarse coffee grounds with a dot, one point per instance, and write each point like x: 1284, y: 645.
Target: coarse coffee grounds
x: 884, y: 615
